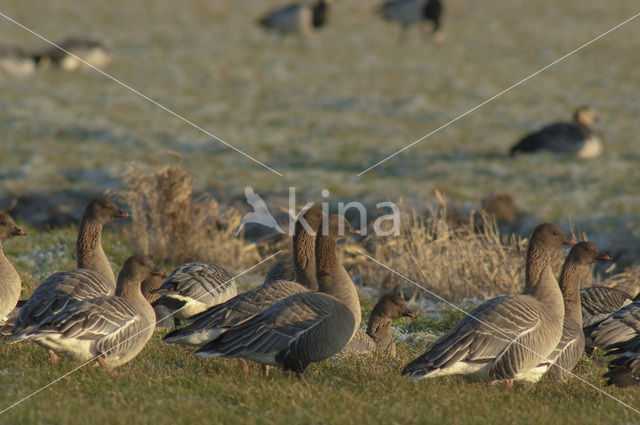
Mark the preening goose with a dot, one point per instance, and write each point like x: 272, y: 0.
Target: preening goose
x: 378, y: 338
x: 297, y: 18
x: 10, y: 285
x: 575, y: 271
x: 93, y: 277
x: 304, y: 328
x: 409, y: 12
x: 111, y: 329
x: 210, y: 323
x: 90, y: 51
x: 575, y: 138
x: 504, y: 338
x: 193, y: 287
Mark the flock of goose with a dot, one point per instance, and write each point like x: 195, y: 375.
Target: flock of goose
x: 308, y: 310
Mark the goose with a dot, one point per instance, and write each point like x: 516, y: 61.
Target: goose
x: 408, y: 12
x: 193, y: 287
x: 10, y: 285
x: 14, y: 61
x: 298, y: 18
x: 304, y: 328
x: 598, y: 302
x: 575, y: 138
x: 576, y: 270
x: 110, y: 329
x: 213, y: 321
x: 93, y: 276
x: 624, y: 370
x: 377, y: 338
x: 284, y: 269
x: 505, y: 337
x: 619, y: 327
x: 90, y: 51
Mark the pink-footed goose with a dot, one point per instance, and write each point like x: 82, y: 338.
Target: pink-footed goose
x: 93, y: 277
x: 575, y: 271
x: 10, y: 285
x: 194, y: 287
x: 212, y: 322
x: 619, y: 327
x: 505, y: 337
x: 378, y: 338
x: 598, y: 303
x: 304, y: 328
x: 111, y: 329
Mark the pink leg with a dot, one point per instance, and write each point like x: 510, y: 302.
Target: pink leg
x: 53, y: 357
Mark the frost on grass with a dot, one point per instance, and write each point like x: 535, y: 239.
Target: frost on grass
x: 173, y: 226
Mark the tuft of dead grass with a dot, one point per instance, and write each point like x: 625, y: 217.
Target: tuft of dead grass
x: 173, y: 226
x: 453, y: 260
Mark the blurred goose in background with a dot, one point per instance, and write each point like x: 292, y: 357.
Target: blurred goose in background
x: 304, y: 328
x: 598, y: 302
x: 576, y: 138
x: 575, y: 271
x: 212, y: 322
x: 409, y: 12
x: 76, y: 50
x: 193, y: 287
x: 503, y: 338
x: 14, y: 61
x: 378, y: 338
x: 10, y: 284
x: 110, y: 329
x: 297, y: 18
x: 93, y: 278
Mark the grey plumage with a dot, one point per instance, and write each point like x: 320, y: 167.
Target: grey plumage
x: 503, y: 338
x: 598, y: 303
x: 193, y: 287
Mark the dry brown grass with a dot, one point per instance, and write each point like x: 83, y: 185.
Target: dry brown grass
x: 455, y: 261
x: 172, y: 226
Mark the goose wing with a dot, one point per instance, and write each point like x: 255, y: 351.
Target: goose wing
x: 203, y: 282
x: 599, y: 302
x: 214, y: 320
x: 485, y: 336
x: 568, y: 352
x: 296, y: 331
x: 620, y: 326
x: 58, y: 291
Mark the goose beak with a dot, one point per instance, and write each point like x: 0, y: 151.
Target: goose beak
x: 355, y: 231
x: 603, y: 257
x: 158, y: 272
x: 18, y: 232
x: 570, y: 241
x: 121, y: 214
x: 408, y: 313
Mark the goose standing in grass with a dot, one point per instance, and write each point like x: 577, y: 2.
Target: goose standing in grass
x: 575, y: 271
x: 193, y: 287
x: 598, y: 302
x: 504, y: 338
x: 303, y: 328
x: 110, y: 329
x: 297, y: 18
x: 409, y: 12
x: 212, y: 322
x: 10, y: 284
x: 93, y: 278
x: 14, y: 61
x: 76, y: 51
x: 378, y: 338
x: 576, y: 138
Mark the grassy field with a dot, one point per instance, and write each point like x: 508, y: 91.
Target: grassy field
x: 319, y: 113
